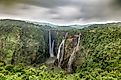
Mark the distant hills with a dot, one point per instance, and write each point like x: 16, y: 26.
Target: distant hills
x: 49, y: 26
x: 45, y: 25
x: 58, y: 27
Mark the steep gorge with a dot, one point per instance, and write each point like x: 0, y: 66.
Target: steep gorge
x: 23, y: 42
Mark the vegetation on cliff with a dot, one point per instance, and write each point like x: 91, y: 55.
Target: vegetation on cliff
x: 99, y: 56
x: 21, y: 42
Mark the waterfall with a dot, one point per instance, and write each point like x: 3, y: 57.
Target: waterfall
x: 51, y: 45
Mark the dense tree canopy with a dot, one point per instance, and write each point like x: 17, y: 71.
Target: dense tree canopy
x: 98, y: 58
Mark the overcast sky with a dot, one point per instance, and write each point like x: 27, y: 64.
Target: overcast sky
x: 62, y: 11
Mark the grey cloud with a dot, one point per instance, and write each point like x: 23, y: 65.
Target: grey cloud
x: 63, y: 11
x: 68, y: 13
x: 41, y: 3
x: 97, y: 11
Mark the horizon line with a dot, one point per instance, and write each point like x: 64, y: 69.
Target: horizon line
x: 30, y: 20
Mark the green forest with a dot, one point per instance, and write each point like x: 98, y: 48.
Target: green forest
x: 25, y: 55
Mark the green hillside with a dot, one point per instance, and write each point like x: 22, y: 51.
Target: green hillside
x: 21, y: 42
x: 102, y: 51
x: 99, y: 57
